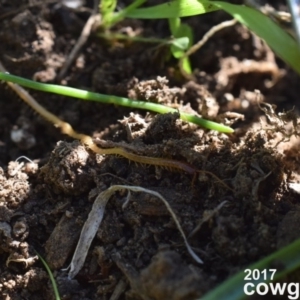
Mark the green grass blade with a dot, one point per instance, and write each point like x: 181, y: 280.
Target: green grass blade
x: 280, y: 41
x: 52, y: 279
x: 287, y: 258
x: 108, y: 99
x: 173, y: 9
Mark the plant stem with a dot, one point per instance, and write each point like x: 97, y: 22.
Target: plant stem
x: 109, y: 99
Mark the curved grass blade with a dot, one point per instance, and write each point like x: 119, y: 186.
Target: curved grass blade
x: 52, y: 279
x: 287, y: 258
x: 281, y: 42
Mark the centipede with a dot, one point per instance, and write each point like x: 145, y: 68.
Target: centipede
x: 66, y: 128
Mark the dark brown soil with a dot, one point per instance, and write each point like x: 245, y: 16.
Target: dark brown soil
x: 138, y: 253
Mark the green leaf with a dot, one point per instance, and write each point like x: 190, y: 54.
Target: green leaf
x: 184, y: 39
x: 107, y: 8
x: 184, y: 33
x: 281, y: 42
x: 173, y: 9
x: 181, y: 43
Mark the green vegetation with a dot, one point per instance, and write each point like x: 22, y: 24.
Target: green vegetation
x: 287, y: 258
x: 52, y: 279
x: 279, y: 40
x: 109, y: 99
x: 183, y: 36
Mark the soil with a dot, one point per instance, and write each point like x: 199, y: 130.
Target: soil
x: 138, y: 252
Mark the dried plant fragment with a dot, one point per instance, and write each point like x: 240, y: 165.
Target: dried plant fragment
x: 95, y: 217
